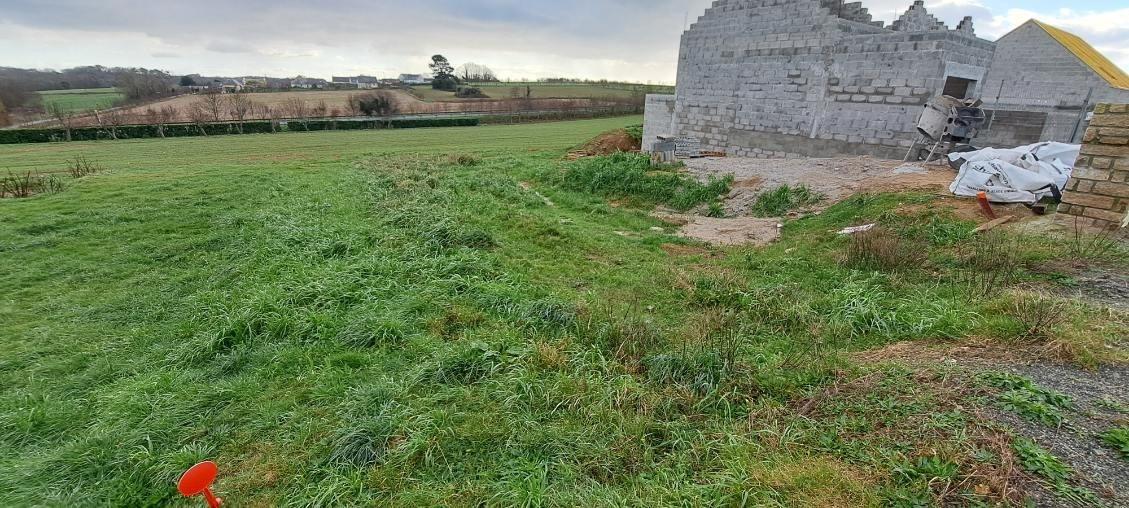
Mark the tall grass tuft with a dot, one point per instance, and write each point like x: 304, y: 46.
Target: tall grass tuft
x: 630, y: 176
x: 783, y: 199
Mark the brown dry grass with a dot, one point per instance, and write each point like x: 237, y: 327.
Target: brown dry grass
x: 337, y: 100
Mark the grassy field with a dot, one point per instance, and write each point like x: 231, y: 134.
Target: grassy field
x: 540, y: 91
x: 457, y: 317
x: 82, y: 99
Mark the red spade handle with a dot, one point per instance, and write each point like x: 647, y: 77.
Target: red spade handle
x: 213, y: 501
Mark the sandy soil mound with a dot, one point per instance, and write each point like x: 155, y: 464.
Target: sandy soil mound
x: 606, y: 144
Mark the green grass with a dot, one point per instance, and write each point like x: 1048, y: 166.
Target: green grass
x: 783, y: 199
x: 82, y: 99
x: 446, y: 317
x: 630, y: 176
x: 1118, y: 439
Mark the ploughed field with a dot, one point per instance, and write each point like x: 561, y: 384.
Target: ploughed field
x: 461, y: 316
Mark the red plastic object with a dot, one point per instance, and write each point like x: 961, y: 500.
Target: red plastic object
x: 985, y: 205
x: 198, y: 480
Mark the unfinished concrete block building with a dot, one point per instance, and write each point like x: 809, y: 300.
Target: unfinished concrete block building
x: 773, y: 78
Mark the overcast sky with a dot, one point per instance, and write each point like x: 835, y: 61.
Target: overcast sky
x: 633, y: 40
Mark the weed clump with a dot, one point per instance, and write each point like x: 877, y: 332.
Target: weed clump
x: 1037, y: 315
x: 878, y: 249
x: 81, y: 166
x: 1053, y: 472
x: 630, y: 176
x: 783, y: 199
x: 1118, y: 439
x: 29, y: 184
x: 464, y: 159
x: 1023, y: 397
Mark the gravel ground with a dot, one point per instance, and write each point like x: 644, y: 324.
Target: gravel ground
x: 836, y: 178
x: 1076, y: 442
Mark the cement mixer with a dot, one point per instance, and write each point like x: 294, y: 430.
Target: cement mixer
x: 946, y: 125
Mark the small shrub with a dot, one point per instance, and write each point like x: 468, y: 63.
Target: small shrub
x: 992, y: 263
x: 470, y: 92
x: 1118, y: 439
x: 781, y: 200
x: 81, y: 166
x: 1038, y: 315
x: 29, y: 184
x: 464, y: 159
x: 878, y: 249
x: 716, y: 210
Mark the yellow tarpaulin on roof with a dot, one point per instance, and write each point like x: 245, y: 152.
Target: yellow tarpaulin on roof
x: 1093, y: 59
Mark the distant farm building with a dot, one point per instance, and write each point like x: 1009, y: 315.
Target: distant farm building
x: 361, y: 82
x: 415, y: 79
x: 305, y: 83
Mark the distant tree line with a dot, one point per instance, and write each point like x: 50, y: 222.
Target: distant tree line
x: 18, y: 87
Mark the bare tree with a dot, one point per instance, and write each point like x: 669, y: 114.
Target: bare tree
x: 275, y: 115
x: 320, y: 110
x: 99, y: 117
x: 63, y: 116
x: 115, y: 118
x: 198, y: 114
x: 296, y: 109
x: 352, y: 105
x: 4, y: 121
x: 239, y: 106
x: 160, y: 118
x: 213, y: 104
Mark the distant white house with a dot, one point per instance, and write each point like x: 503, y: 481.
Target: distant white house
x: 362, y: 82
x: 415, y: 79
x: 308, y: 83
x: 233, y: 85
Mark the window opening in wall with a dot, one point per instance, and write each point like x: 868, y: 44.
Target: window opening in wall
x: 958, y: 87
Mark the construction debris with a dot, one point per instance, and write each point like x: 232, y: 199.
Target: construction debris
x: 857, y: 229
x: 988, y: 226
x: 1026, y: 174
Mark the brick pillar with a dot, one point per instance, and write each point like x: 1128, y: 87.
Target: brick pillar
x: 1099, y: 189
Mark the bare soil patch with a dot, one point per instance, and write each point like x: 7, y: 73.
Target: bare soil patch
x: 725, y: 231
x: 836, y: 178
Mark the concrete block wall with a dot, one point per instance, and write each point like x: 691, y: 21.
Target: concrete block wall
x: 1098, y: 191
x: 658, y: 119
x: 753, y: 70
x: 766, y: 77
x: 1033, y: 72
